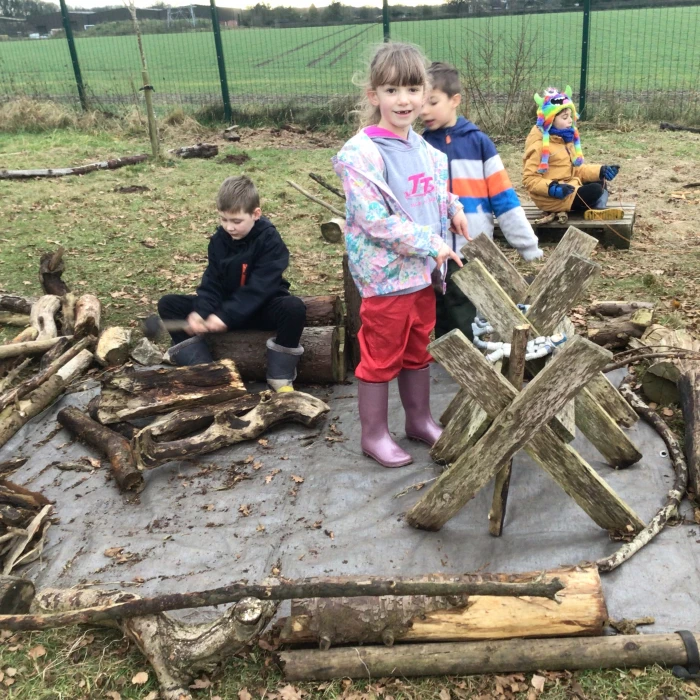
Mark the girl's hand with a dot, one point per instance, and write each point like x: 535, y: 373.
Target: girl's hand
x: 459, y: 224
x: 446, y: 252
x: 215, y: 324
x: 195, y: 324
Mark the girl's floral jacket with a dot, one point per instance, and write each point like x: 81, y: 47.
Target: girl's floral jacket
x: 387, y: 251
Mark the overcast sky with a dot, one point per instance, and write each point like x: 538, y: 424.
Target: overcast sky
x: 242, y: 4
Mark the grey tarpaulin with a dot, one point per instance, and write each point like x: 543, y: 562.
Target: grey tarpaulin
x: 186, y: 531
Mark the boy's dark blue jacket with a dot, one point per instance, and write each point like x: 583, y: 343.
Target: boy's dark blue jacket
x: 242, y: 276
x: 478, y: 178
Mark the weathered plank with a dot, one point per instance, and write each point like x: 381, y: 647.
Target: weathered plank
x: 531, y: 409
x: 610, y: 399
x: 466, y: 426
x: 482, y: 248
x: 577, y: 478
x: 453, y: 407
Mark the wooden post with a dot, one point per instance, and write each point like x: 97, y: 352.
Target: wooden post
x: 516, y: 374
x: 353, y: 300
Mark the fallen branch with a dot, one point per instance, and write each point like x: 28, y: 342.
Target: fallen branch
x: 675, y: 495
x: 665, y: 126
x: 324, y: 183
x: 112, y: 164
x: 308, y: 195
x: 16, y: 304
x: 678, y: 354
x: 7, y: 318
x: 32, y: 347
x: 470, y: 584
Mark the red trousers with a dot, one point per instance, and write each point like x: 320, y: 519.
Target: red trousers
x: 395, y: 334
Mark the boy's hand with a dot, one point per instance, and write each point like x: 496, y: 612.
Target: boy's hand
x: 459, y: 224
x: 215, y: 324
x: 444, y: 253
x: 609, y: 172
x: 196, y: 325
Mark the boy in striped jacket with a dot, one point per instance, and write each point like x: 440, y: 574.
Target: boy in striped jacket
x: 478, y: 178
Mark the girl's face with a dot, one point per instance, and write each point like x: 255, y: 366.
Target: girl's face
x: 399, y: 106
x: 563, y: 120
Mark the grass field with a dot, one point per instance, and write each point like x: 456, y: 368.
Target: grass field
x: 635, y: 54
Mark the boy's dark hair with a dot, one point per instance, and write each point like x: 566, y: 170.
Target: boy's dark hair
x: 445, y: 77
x: 238, y: 194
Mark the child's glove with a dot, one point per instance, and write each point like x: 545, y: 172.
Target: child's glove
x: 560, y: 191
x: 608, y: 172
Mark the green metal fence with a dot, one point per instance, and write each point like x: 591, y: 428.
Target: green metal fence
x: 642, y: 60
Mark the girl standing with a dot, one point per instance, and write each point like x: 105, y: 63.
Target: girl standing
x: 398, y: 213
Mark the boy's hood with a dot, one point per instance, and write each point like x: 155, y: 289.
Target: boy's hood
x: 462, y: 127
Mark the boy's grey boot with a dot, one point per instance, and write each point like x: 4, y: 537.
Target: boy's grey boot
x: 282, y: 365
x: 193, y: 351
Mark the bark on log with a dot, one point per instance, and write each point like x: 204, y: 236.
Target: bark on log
x: 178, y: 651
x: 32, y: 347
x: 227, y: 428
x: 114, y: 446
x: 284, y: 589
x: 199, y: 150
x: 617, y: 333
x: 68, y: 303
x: 88, y: 312
x: 514, y: 655
x: 16, y: 304
x: 578, y: 610
x: 10, y: 364
x: 353, y: 301
x: 323, y: 361
x: 113, y: 346
x: 51, y: 267
x: 7, y: 318
x: 43, y: 316
x: 16, y: 595
x: 324, y: 310
x: 689, y: 390
x: 54, y: 352
x: 618, y: 308
x: 15, y: 416
x: 133, y: 393
x: 112, y: 164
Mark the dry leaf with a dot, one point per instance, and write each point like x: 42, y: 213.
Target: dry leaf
x: 330, y: 534
x: 257, y: 464
x: 538, y: 683
x: 37, y: 652
x: 668, y: 412
x: 248, y: 459
x: 244, y: 510
x: 297, y: 479
x: 260, y: 528
x: 140, y: 678
x: 149, y: 242
x: 113, y: 551
x: 289, y: 692
x: 243, y: 694
x: 201, y: 683
x: 153, y: 695
x: 444, y: 694
x: 263, y: 442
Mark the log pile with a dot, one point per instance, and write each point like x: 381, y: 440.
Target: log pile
x: 619, y: 321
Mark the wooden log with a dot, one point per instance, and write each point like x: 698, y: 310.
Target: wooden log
x: 463, y: 431
x: 610, y: 440
x: 577, y: 478
x: 333, y: 230
x: 516, y: 375
x: 136, y: 393
x: 228, y: 429
x: 503, y: 656
x: 16, y: 595
x: 111, y: 164
x: 7, y: 318
x: 674, y: 127
x: 32, y: 347
x: 11, y: 364
x: 324, y: 310
x: 16, y: 304
x: 114, y: 446
x: 43, y: 316
x: 199, y: 150
x: 113, y: 346
x: 482, y: 248
x: 689, y: 390
x: 68, y: 303
x: 608, y: 397
x: 579, y: 610
x: 511, y: 429
x: 558, y: 294
x: 51, y: 267
x: 54, y: 352
x: 618, y: 308
x: 323, y: 361
x: 353, y: 301
x: 618, y: 332
x: 88, y: 314
x: 573, y: 242
x: 284, y: 589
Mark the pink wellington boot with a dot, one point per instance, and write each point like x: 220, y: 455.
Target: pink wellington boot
x: 414, y: 389
x: 373, y: 401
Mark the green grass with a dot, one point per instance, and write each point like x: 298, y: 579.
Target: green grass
x: 633, y: 53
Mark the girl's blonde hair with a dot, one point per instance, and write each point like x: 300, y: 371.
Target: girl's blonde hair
x: 393, y: 63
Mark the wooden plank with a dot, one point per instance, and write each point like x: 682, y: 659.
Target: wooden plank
x: 484, y: 249
x: 453, y: 407
x: 579, y: 610
x: 559, y: 292
x: 602, y: 430
x: 531, y: 409
x: 463, y: 431
x: 566, y: 427
x: 577, y: 478
x: 610, y: 399
x: 574, y: 242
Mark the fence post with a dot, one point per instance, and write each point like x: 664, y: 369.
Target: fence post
x: 73, y: 55
x: 585, y: 42
x: 385, y: 20
x: 228, y: 116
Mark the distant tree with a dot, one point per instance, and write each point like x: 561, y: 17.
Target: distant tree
x: 426, y: 11
x: 25, y: 8
x: 365, y: 12
x: 333, y: 12
x: 312, y: 13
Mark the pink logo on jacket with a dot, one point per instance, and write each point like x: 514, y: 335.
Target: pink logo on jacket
x: 418, y: 180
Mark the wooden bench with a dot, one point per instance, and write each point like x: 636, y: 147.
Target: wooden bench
x: 610, y: 233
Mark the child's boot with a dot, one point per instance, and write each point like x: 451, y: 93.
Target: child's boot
x: 373, y: 402
x: 414, y: 389
x: 193, y: 351
x: 282, y: 366
x: 601, y: 213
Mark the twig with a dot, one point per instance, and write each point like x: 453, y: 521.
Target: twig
x: 324, y: 183
x: 308, y: 195
x: 471, y: 584
x: 675, y: 495
x: 12, y: 375
x: 680, y: 355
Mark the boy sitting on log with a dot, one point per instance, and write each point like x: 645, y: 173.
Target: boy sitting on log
x: 242, y: 288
